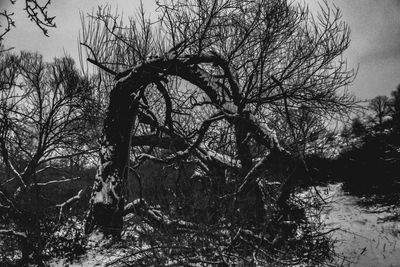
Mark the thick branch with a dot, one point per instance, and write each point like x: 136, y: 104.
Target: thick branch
x: 58, y: 181
x: 4, y: 154
x: 13, y: 233
x: 157, y: 141
x: 156, y: 218
x: 101, y: 66
x: 69, y: 202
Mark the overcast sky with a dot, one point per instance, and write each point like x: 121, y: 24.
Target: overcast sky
x: 375, y: 35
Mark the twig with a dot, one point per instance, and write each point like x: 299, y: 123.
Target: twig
x: 101, y: 66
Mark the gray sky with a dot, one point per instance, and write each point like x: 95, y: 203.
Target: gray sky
x: 375, y: 45
x: 375, y: 35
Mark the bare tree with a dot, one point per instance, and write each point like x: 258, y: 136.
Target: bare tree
x: 41, y: 123
x: 380, y: 106
x: 205, y: 83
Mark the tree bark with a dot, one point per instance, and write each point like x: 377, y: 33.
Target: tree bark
x: 107, y: 201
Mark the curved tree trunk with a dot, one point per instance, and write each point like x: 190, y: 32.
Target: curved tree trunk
x: 107, y: 200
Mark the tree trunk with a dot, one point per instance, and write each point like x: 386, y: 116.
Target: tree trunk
x: 107, y: 201
x: 25, y: 251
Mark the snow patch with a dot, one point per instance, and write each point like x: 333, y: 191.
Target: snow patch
x: 362, y: 238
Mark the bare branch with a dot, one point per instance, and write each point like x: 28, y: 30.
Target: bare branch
x: 69, y: 202
x: 13, y: 233
x: 58, y: 181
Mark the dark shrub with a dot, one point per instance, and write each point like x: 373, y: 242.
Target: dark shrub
x: 371, y: 167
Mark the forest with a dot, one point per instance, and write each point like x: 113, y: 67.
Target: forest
x: 188, y: 140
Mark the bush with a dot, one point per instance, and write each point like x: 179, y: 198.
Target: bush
x: 37, y: 216
x: 371, y: 167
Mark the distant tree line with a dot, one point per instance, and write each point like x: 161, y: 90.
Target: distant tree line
x: 370, y: 164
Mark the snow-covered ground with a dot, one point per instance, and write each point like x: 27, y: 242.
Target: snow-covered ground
x: 363, y: 239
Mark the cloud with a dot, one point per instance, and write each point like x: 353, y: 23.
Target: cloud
x: 375, y: 44
x: 395, y: 3
x: 383, y: 46
x: 4, y: 4
x: 375, y: 28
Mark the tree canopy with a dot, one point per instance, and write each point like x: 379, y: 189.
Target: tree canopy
x: 205, y: 85
x: 221, y: 98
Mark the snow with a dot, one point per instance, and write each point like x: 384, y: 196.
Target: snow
x: 91, y: 259
x: 223, y: 158
x: 98, y: 255
x: 363, y: 238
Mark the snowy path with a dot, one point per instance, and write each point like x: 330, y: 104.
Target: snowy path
x: 363, y: 240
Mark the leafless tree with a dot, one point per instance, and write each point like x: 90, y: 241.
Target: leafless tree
x: 205, y: 83
x: 41, y: 122
x: 380, y: 106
